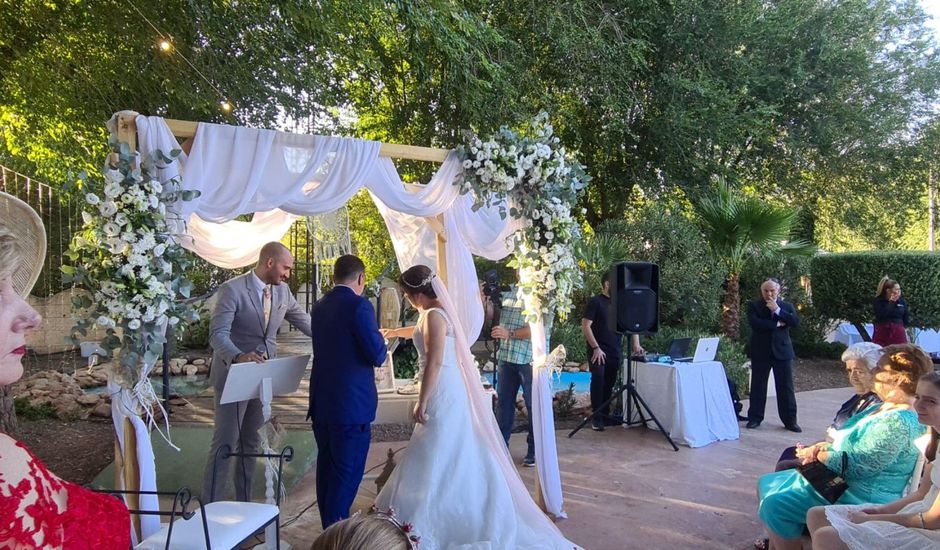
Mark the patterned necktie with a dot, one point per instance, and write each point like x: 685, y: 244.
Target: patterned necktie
x: 266, y: 305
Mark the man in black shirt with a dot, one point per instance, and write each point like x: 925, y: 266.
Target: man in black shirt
x: 605, y: 348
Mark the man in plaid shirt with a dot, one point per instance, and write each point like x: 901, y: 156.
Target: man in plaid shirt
x: 515, y: 366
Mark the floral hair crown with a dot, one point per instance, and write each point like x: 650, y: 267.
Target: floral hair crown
x: 406, y: 528
x: 424, y: 282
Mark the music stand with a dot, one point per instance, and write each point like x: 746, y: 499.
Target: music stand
x: 274, y: 377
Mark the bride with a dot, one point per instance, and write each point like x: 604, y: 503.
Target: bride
x: 456, y: 483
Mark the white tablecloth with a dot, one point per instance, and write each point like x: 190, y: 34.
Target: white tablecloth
x: 690, y: 400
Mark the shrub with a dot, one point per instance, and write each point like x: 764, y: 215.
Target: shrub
x: 844, y: 284
x: 29, y: 412
x: 195, y: 335
x: 689, y: 283
x: 569, y: 335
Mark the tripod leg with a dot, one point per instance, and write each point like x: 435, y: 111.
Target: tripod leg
x: 597, y: 411
x: 635, y: 394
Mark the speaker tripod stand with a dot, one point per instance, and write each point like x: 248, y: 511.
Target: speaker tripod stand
x: 633, y: 398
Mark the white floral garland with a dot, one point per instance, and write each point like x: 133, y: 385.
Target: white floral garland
x: 130, y: 262
x: 540, y: 181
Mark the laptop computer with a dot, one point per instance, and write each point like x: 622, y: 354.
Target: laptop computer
x: 678, y: 349
x: 705, y: 350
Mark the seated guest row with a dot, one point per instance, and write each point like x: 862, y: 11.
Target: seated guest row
x: 873, y: 451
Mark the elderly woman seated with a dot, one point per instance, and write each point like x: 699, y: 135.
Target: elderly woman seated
x: 39, y: 509
x: 860, y: 359
x: 874, y: 452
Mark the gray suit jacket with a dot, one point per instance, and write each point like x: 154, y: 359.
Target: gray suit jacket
x: 237, y: 324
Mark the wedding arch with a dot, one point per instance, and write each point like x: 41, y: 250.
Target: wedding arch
x: 277, y: 177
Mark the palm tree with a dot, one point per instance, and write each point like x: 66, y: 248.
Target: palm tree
x: 740, y: 227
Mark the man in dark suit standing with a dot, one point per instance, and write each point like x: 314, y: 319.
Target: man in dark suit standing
x: 248, y: 312
x: 346, y: 348
x: 771, y: 319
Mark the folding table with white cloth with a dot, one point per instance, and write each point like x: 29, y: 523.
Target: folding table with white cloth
x: 690, y: 400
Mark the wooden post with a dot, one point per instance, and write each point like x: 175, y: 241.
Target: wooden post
x: 441, y: 250
x: 127, y: 129
x: 130, y: 471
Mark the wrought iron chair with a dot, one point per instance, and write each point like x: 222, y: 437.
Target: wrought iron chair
x: 221, y: 525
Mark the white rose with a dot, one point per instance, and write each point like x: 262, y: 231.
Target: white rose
x: 159, y: 250
x: 105, y: 322
x: 107, y: 209
x: 467, y: 163
x: 156, y: 186
x: 111, y: 229
x: 113, y: 190
x: 113, y: 176
x: 92, y: 199
x: 133, y: 324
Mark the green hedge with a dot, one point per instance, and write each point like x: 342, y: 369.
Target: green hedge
x: 844, y: 285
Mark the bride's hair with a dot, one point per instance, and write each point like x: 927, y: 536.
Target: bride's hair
x: 417, y: 280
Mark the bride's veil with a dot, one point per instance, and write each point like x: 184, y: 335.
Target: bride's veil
x: 484, y: 422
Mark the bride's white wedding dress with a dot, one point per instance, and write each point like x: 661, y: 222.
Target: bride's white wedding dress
x: 450, y: 486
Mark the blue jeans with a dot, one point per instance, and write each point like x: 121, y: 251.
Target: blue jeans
x: 509, y: 377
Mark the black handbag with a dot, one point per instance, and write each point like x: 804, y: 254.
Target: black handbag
x: 827, y: 483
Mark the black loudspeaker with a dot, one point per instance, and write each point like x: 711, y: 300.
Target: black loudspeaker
x: 634, y: 296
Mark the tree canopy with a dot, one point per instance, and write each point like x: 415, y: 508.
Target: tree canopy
x: 822, y: 104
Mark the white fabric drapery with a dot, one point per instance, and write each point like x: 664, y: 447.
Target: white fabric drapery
x: 277, y: 176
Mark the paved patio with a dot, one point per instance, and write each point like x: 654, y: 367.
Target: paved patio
x: 623, y: 489
x: 628, y: 489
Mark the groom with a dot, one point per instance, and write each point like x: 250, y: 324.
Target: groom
x: 346, y: 347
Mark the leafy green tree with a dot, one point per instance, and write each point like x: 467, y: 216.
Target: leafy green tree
x: 737, y: 228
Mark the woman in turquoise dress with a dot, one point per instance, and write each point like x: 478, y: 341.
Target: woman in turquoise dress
x: 878, y: 447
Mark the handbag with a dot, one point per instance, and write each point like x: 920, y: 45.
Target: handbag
x: 827, y: 483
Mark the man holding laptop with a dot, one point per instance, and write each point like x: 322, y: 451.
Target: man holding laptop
x: 771, y: 319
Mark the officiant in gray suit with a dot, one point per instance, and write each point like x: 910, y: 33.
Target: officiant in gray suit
x: 243, y: 328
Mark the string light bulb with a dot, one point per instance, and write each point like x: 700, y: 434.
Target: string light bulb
x: 226, y: 106
x: 165, y: 45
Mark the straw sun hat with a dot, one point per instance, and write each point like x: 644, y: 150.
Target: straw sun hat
x: 29, y: 235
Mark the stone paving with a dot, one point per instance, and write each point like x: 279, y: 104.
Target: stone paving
x: 623, y: 489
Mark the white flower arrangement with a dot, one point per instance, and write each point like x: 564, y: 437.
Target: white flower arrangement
x: 130, y: 262
x: 540, y: 181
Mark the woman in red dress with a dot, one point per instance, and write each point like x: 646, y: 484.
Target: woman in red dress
x: 891, y: 314
x: 37, y: 508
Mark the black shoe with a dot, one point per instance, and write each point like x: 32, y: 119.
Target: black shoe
x: 751, y: 424
x: 597, y: 426
x: 528, y: 462
x: 794, y: 428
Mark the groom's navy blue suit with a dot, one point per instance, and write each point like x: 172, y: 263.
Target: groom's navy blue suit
x: 346, y: 347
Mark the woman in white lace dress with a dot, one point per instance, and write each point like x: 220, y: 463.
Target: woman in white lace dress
x: 456, y: 483
x: 911, y: 523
